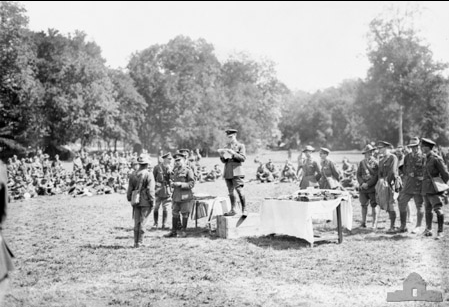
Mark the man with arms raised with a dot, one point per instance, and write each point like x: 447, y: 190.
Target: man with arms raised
x: 233, y: 156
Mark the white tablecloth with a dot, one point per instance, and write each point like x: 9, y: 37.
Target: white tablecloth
x: 295, y: 218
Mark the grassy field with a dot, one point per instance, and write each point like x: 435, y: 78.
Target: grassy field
x: 78, y: 252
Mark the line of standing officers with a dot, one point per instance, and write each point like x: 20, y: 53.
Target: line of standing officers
x: 382, y: 187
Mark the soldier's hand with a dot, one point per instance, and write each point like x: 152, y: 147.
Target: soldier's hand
x: 364, y: 186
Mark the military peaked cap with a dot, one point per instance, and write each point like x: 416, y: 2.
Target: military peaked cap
x: 427, y: 142
x: 230, y: 131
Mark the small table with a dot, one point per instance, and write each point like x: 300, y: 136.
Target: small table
x: 294, y: 218
x: 215, y: 206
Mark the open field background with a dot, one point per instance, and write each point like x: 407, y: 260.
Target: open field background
x: 78, y: 252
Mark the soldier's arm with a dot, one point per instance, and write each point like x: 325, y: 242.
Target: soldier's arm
x: 151, y: 187
x: 442, y: 169
x: 240, y: 155
x: 190, y: 181
x: 359, y: 174
x: 335, y: 172
x: 317, y: 171
x: 374, y: 177
x: 393, y: 172
x: 130, y: 188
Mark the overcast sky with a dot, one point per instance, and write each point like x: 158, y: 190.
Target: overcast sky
x: 314, y: 44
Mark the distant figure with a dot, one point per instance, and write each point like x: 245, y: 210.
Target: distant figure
x: 330, y: 177
x: 310, y: 170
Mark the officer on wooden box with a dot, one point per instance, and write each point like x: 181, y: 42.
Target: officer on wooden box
x: 233, y: 155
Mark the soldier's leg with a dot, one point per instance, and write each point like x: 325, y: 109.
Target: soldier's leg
x: 392, y: 213
x: 403, y: 201
x: 145, y: 213
x: 364, y: 200
x: 156, y: 211
x: 230, y: 186
x: 136, y: 212
x: 375, y: 209
x: 238, y: 183
x: 438, y: 208
x: 418, y: 198
x: 175, y: 220
x: 429, y: 216
x: 165, y: 204
x: 186, y: 207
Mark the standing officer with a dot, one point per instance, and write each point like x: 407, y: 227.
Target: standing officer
x: 143, y: 180
x: 413, y: 176
x: 367, y: 175
x: 233, y: 155
x: 434, y: 167
x: 163, y: 190
x: 330, y: 177
x: 310, y: 170
x: 389, y: 182
x: 183, y: 182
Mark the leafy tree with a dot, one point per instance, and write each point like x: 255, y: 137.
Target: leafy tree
x: 122, y: 123
x: 254, y: 100
x: 20, y: 123
x: 403, y: 81
x: 179, y: 82
x: 78, y: 97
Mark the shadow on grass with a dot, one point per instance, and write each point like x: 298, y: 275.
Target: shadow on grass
x: 124, y: 237
x: 124, y: 228
x: 280, y: 242
x: 101, y: 246
x: 386, y: 237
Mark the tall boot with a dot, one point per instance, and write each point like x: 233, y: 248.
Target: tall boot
x: 232, y: 212
x: 376, y: 212
x: 429, y: 218
x: 419, y: 217
x: 156, y: 218
x: 173, y: 232
x: 364, y: 214
x: 136, y: 238
x: 164, y: 218
x: 403, y: 217
x: 440, y: 218
x: 243, y: 203
x: 392, y: 215
x: 185, y: 220
x: 428, y: 231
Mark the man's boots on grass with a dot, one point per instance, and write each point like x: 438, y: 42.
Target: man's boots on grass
x: 440, y: 233
x: 164, y: 219
x: 232, y: 212
x: 403, y: 217
x: 173, y: 233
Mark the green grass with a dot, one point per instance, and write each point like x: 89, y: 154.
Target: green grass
x: 78, y: 252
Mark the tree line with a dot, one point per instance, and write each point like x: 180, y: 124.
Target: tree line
x: 56, y: 89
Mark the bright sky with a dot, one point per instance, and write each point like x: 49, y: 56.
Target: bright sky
x: 314, y: 44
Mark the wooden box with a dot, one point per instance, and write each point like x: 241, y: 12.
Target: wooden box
x: 231, y: 227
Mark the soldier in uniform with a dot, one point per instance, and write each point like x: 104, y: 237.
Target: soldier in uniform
x: 330, y: 177
x: 143, y: 179
x: 367, y: 178
x: 433, y: 200
x: 233, y: 155
x: 163, y: 190
x: 389, y: 182
x: 311, y: 171
x: 183, y: 181
x: 412, y: 170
